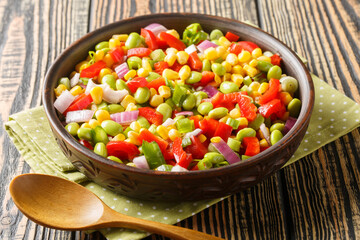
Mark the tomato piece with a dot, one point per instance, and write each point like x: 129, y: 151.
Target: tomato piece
x: 117, y: 54
x: 271, y: 93
x: 247, y: 46
x: 156, y: 83
x: 232, y: 37
x: 93, y: 70
x: 271, y: 107
x: 151, y: 115
x: 275, y: 59
x: 150, y: 38
x: 247, y: 108
x: 122, y: 149
x: 252, y: 146
x: 172, y: 41
x: 160, y: 67
x: 194, y: 61
x: 86, y: 144
x: 196, y: 149
x: 135, y: 83
x: 223, y: 130
x: 80, y: 103
x: 139, y: 52
x: 146, y: 135
x: 180, y: 155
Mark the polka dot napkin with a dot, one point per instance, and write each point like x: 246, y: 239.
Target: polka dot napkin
x: 333, y: 116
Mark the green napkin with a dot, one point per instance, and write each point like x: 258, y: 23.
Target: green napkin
x: 334, y: 115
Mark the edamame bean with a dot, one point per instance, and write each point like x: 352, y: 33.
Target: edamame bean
x: 189, y: 102
x: 72, y: 128
x: 165, y: 110
x: 289, y: 84
x: 134, y: 62
x: 245, y: 132
x: 65, y: 81
x: 274, y: 72
x: 110, y: 80
x: 204, y: 164
x: 194, y: 77
x: 111, y: 127
x: 133, y: 41
x: 142, y: 95
x: 102, y: 106
x: 277, y: 126
x: 214, y: 157
x: 275, y: 136
x: 200, y: 95
x: 216, y: 34
x: 263, y: 66
x: 152, y: 76
x: 120, y: 85
x: 144, y: 123
x: 85, y: 133
x: 206, y: 65
x: 115, y: 159
x: 218, y: 69
x: 218, y: 113
x: 222, y: 164
x: 102, y: 45
x: 100, y: 149
x: 228, y: 87
x: 294, y: 107
x: 205, y: 107
x: 171, y: 103
x: 115, y: 108
x: 158, y: 55
x: 99, y: 135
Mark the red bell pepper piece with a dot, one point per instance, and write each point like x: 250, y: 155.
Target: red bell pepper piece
x: 275, y: 59
x: 93, y: 70
x: 86, y: 144
x: 223, y: 130
x: 160, y: 67
x: 247, y: 46
x: 194, y: 61
x: 150, y: 39
x: 139, y: 52
x: 80, y: 103
x: 156, y: 83
x: 180, y: 155
x: 207, y: 76
x: 196, y: 149
x: 247, y: 109
x: 135, y: 83
x: 232, y: 37
x: 122, y: 149
x: 235, y: 48
x: 172, y: 41
x: 176, y: 66
x: 146, y: 135
x: 117, y: 54
x: 217, y: 99
x: 161, y: 44
x: 151, y: 115
x: 252, y: 146
x: 271, y: 107
x: 271, y: 93
x: 209, y: 126
x: 196, y: 121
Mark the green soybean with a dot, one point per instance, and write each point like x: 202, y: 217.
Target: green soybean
x: 216, y: 34
x: 190, y: 102
x: 275, y: 136
x: 277, y: 126
x: 102, y: 45
x: 85, y: 133
x: 228, y: 87
x: 111, y: 127
x: 115, y: 108
x: 133, y: 41
x: 152, y: 76
x: 120, y: 85
x: 72, y: 128
x: 206, y: 65
x: 218, y: 113
x: 274, y: 72
x: 200, y: 95
x: 194, y: 77
x: 214, y: 157
x: 110, y: 80
x: 294, y: 107
x: 165, y: 109
x: 134, y: 62
x: 205, y: 107
x: 158, y: 55
x: 144, y: 123
x: 65, y: 81
x: 99, y: 135
x: 218, y: 69
x: 289, y: 84
x: 263, y: 66
x: 103, y: 106
x: 142, y: 95
x: 115, y: 159
x: 100, y: 149
x: 204, y: 164
x: 245, y: 132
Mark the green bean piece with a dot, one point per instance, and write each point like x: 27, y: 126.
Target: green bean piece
x: 120, y: 85
x: 158, y: 55
x: 115, y: 108
x: 133, y: 41
x: 111, y: 127
x: 218, y: 69
x: 102, y: 45
x: 228, y: 87
x: 274, y: 72
x: 85, y: 133
x: 234, y: 144
x: 245, y: 132
x: 72, y: 128
x: 134, y: 62
x: 205, y: 107
x: 216, y: 34
x: 100, y: 149
x: 277, y: 126
x: 189, y: 102
x: 65, y: 81
x: 152, y: 76
x: 294, y: 107
x: 206, y: 65
x: 165, y: 110
x: 214, y: 157
x: 275, y: 136
x: 142, y: 95
x: 289, y: 84
x: 164, y: 167
x: 115, y: 159
x: 204, y: 164
x: 99, y: 135
x: 263, y: 66
x: 194, y: 77
x: 218, y: 112
x: 110, y: 80
x: 255, y: 124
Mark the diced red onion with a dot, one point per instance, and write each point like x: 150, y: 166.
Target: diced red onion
x: 184, y: 113
x: 75, y: 79
x: 141, y: 162
x: 125, y: 117
x: 265, y: 132
x: 210, y: 90
x: 79, y: 116
x: 178, y: 168
x: 190, y: 49
x: 121, y: 70
x: 193, y: 133
x: 156, y: 28
x: 205, y: 45
x: 64, y: 101
x: 290, y: 122
x: 226, y: 151
x: 168, y: 122
x: 112, y: 96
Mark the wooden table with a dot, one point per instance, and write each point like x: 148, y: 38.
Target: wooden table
x: 317, y: 197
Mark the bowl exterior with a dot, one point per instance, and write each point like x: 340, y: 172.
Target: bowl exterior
x: 195, y: 185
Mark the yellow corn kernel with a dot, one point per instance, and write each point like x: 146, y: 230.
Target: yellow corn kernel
x: 99, y: 55
x: 133, y: 137
x: 256, y: 53
x: 135, y: 126
x: 171, y: 51
x: 152, y: 92
x: 237, y: 69
x: 255, y: 94
x: 215, y: 139
x: 131, y: 107
x: 81, y: 65
x: 227, y: 66
x: 285, y: 98
x: 76, y: 90
x: 235, y: 113
x: 146, y: 64
x: 142, y: 72
x: 96, y: 94
x: 263, y: 87
x: 119, y: 137
x: 202, y: 138
x: 243, y: 121
x: 170, y: 74
x: 237, y: 79
x: 59, y: 89
x: 121, y: 37
x: 244, y: 56
x: 184, y: 72
x: 172, y: 126
x: 182, y: 57
x: 170, y: 59
x: 255, y: 86
x: 221, y: 51
x: 164, y: 91
x: 102, y: 115
x: 174, y: 33
x: 113, y: 43
x: 223, y: 41
x: 103, y: 72
x: 250, y: 71
x: 156, y: 100
x: 127, y: 100
x: 224, y: 119
x: 93, y: 107
x: 264, y: 143
x: 93, y: 123
x: 253, y: 63
x: 163, y: 132
x: 264, y: 58
x: 180, y: 82
x: 115, y: 75
x: 108, y: 60
x: 85, y: 125
x: 173, y: 134
x: 232, y: 59
x: 226, y: 77
x: 130, y: 74
x: 211, y: 54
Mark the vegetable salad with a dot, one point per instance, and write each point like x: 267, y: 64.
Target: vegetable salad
x: 171, y: 101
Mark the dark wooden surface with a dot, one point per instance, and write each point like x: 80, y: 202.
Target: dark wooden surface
x: 316, y: 197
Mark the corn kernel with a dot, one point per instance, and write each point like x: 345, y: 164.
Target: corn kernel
x: 127, y: 100
x: 217, y: 79
x: 93, y: 107
x: 76, y: 90
x: 135, y: 126
x: 59, y: 89
x: 235, y: 113
x: 121, y: 37
x: 115, y: 75
x: 215, y: 139
x: 264, y: 58
x: 170, y: 74
x: 202, y: 138
x: 99, y: 55
x: 221, y: 51
x: 81, y: 65
x: 162, y: 131
x: 184, y: 72
x: 250, y: 71
x: 254, y: 86
x: 244, y: 56
x: 180, y: 82
x: 285, y: 98
x: 226, y: 77
x: 256, y: 53
x: 152, y: 92
x: 237, y: 79
x: 113, y: 43
x: 170, y: 59
x: 131, y: 107
x: 93, y: 123
x: 146, y: 64
x: 174, y: 33
x: 211, y: 54
x: 223, y: 41
x: 103, y: 72
x: 130, y: 74
x: 119, y: 137
x: 171, y: 50
x: 173, y: 134
x: 264, y: 143
x: 133, y: 137
x: 224, y: 119
x: 227, y: 66
x: 102, y: 115
x: 172, y: 126
x: 243, y: 121
x: 182, y: 57
x: 253, y: 63
x: 164, y: 91
x: 108, y: 60
x: 142, y: 72
x: 85, y: 125
x: 255, y: 94
x: 156, y: 100
x: 232, y: 59
x: 237, y: 69
x: 263, y: 87
x: 96, y: 94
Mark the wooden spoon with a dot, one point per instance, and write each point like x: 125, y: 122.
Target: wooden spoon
x: 61, y: 204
